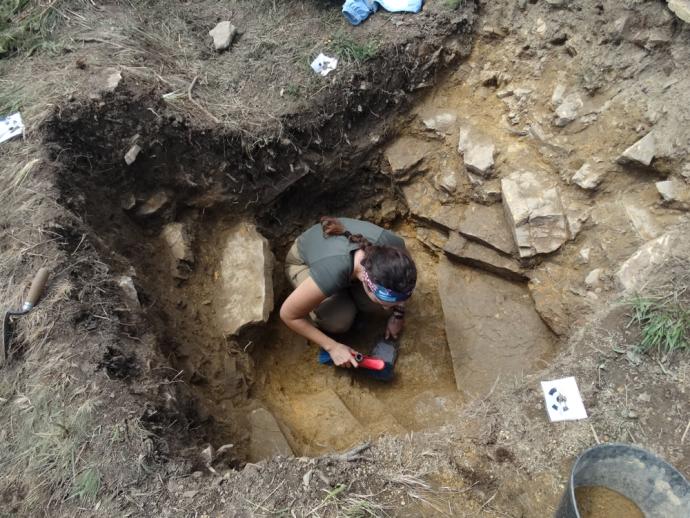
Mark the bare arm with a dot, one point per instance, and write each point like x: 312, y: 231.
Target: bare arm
x: 294, y: 312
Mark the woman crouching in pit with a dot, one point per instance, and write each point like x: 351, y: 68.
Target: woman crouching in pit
x: 340, y: 267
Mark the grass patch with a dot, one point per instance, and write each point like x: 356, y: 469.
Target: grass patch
x: 453, y: 4
x: 27, y: 25
x: 350, y: 50
x: 664, y: 324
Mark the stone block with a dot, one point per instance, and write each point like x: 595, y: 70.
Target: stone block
x: 535, y: 213
x: 245, y: 292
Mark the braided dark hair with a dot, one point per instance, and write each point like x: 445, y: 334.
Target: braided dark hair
x: 388, y: 266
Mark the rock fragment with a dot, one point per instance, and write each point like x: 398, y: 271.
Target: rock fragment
x: 535, y: 212
x: 447, y: 182
x: 131, y: 297
x: 154, y: 203
x: 681, y: 8
x: 245, y: 291
x: 132, y: 154
x: 593, y: 278
x: 222, y: 35
x: 568, y: 110
x: 588, y: 177
x: 442, y: 122
x: 641, y: 152
x: 477, y: 150
x: 674, y: 193
x: 176, y: 237
x: 479, y: 256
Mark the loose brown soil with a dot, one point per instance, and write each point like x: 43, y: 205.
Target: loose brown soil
x: 599, y: 502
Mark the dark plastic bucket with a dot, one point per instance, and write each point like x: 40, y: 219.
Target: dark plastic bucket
x: 657, y: 488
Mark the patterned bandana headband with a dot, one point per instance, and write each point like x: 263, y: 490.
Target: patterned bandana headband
x: 384, y: 294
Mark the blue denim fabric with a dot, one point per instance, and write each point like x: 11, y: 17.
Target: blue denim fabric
x: 356, y: 11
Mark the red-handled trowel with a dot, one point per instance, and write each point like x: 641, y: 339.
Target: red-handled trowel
x: 35, y: 291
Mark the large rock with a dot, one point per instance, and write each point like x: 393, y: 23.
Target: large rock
x: 245, y: 293
x: 681, y: 8
x: 491, y: 327
x: 634, y: 273
x: 422, y: 199
x: 487, y: 224
x: 266, y: 439
x: 179, y: 242
x: 477, y: 150
x: 551, y: 288
x: 641, y: 152
x: 535, y: 212
x: 479, y: 256
x: 674, y: 193
x: 405, y: 156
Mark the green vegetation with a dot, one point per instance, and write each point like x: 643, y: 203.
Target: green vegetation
x: 664, y: 324
x: 349, y: 50
x: 26, y: 25
x: 453, y: 4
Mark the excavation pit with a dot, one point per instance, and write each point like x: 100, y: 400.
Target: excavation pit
x: 167, y: 226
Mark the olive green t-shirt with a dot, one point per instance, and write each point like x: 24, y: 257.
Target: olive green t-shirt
x: 330, y: 259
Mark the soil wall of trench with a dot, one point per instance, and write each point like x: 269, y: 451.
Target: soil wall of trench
x: 323, y: 161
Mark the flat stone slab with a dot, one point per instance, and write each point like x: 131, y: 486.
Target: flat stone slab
x: 487, y: 224
x: 267, y: 439
x: 535, y: 213
x: 405, y: 155
x: 477, y: 150
x: 245, y: 292
x: 480, y: 256
x: 422, y: 199
x: 491, y: 326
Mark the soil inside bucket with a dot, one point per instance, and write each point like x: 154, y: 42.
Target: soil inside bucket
x: 602, y: 502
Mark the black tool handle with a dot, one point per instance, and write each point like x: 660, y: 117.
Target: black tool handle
x: 37, y: 286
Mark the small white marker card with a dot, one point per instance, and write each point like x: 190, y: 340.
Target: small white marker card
x: 11, y: 126
x: 324, y: 64
x: 563, y: 400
